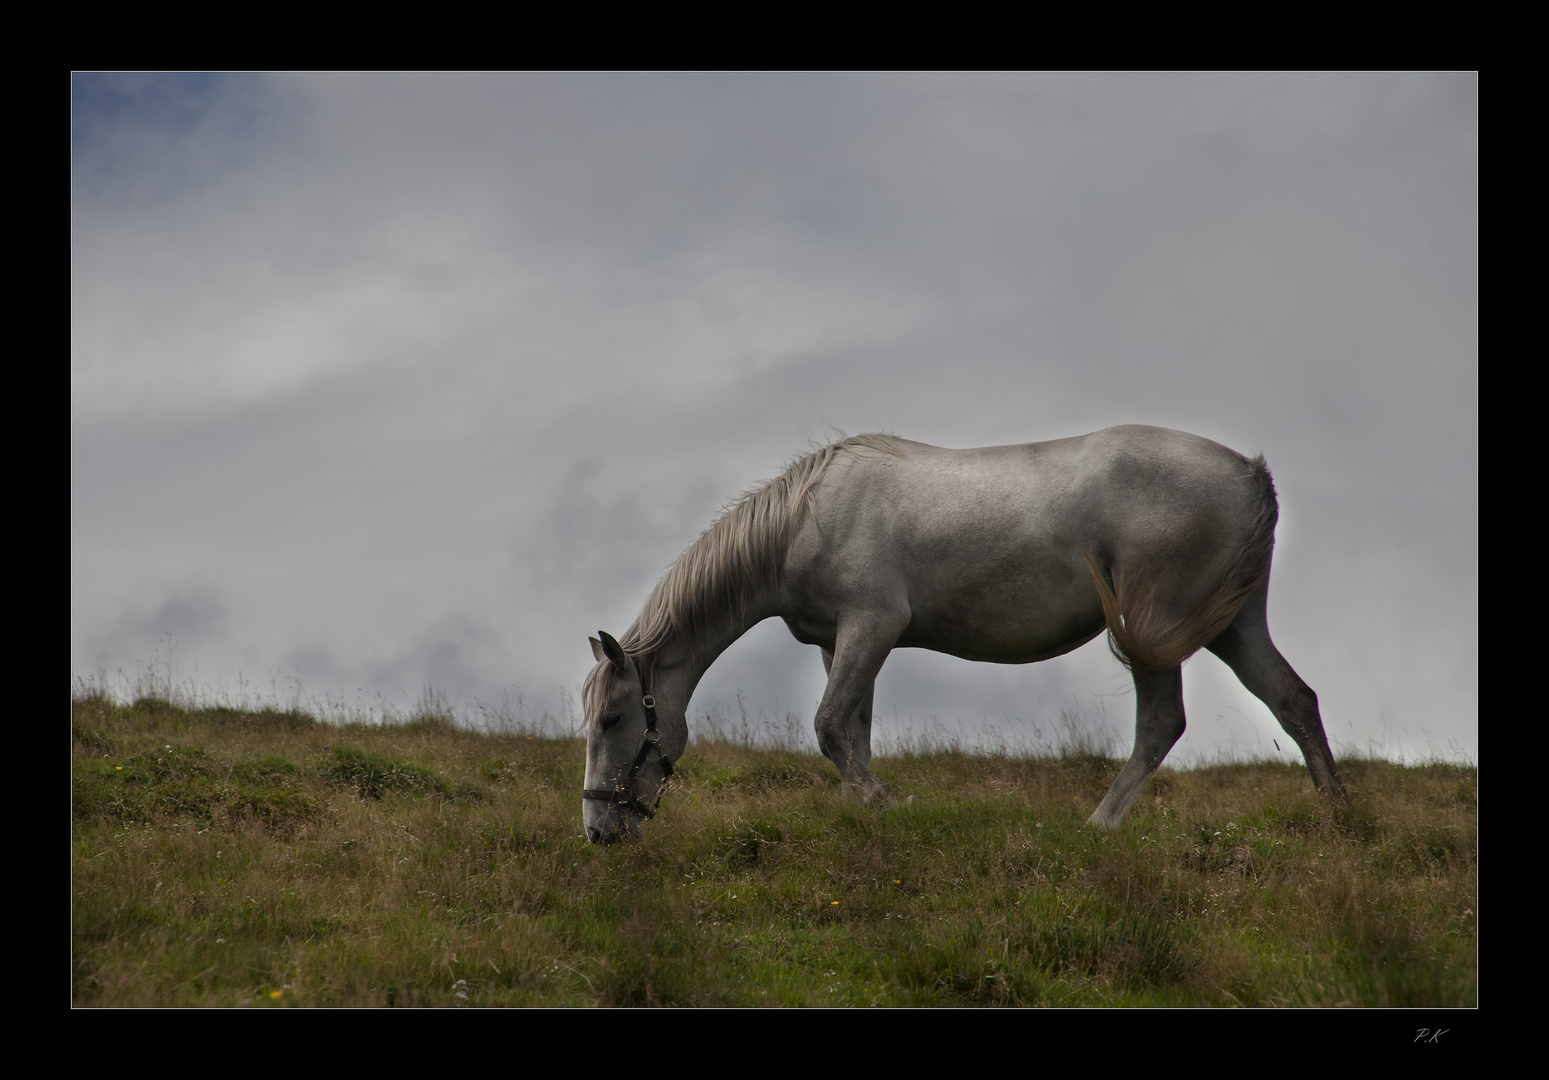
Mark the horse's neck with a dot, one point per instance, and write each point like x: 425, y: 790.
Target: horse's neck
x: 683, y: 662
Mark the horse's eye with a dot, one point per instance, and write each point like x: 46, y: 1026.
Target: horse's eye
x: 609, y: 721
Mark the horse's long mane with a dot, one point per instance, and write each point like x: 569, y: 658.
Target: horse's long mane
x: 741, y: 554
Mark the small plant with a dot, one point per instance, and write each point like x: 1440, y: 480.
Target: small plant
x: 371, y: 776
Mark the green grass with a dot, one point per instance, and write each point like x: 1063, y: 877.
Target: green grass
x: 224, y: 857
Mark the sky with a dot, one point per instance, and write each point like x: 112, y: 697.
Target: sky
x: 393, y: 382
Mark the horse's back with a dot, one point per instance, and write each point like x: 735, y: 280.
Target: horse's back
x: 1096, y: 488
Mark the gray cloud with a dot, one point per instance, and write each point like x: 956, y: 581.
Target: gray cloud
x: 145, y: 635
x: 432, y: 376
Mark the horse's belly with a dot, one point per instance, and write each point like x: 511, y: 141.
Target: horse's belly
x: 1002, y: 636
x: 1003, y: 610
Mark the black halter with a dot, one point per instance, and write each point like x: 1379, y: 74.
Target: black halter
x: 623, y: 791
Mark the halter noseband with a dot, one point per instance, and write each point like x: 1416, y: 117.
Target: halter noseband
x: 623, y: 792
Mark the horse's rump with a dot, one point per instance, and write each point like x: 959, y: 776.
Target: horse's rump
x: 1136, y: 634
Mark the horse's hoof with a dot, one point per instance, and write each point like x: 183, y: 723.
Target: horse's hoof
x: 872, y: 793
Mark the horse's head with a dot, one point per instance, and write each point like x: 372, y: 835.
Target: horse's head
x: 627, y: 762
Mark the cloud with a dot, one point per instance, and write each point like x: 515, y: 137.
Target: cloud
x: 192, y: 615
x: 376, y: 355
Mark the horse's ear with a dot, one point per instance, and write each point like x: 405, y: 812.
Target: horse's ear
x: 612, y: 650
x: 597, y: 650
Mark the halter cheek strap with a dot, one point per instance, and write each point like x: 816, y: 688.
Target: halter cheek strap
x: 623, y: 792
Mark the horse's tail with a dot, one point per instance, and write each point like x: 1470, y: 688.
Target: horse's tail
x: 1134, y: 635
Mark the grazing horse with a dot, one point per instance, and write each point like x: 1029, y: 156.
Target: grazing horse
x: 1008, y: 554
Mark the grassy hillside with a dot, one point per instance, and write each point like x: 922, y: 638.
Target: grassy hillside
x: 223, y: 857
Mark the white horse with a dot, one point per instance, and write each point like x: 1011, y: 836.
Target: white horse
x: 1009, y: 554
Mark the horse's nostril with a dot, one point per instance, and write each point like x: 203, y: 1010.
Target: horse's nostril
x: 594, y: 834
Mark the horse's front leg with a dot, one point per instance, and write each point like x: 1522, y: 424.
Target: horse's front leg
x: 1159, y: 724
x: 857, y: 726
x: 843, y: 719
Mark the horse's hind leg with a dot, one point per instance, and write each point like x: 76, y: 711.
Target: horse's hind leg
x: 1159, y: 724
x: 1246, y: 647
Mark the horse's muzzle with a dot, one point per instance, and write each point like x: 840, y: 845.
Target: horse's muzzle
x: 608, y: 825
